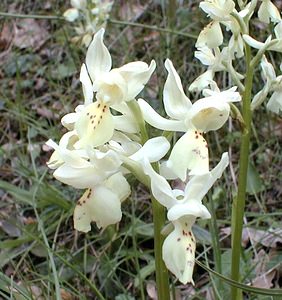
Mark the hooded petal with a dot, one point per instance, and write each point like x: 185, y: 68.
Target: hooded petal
x: 179, y: 250
x: 99, y: 205
x: 98, y: 58
x: 268, y: 11
x: 205, y: 56
x: 153, y: 150
x: 218, y: 10
x: 155, y: 120
x: 211, y: 36
x: 209, y: 114
x: 95, y: 125
x: 202, y: 81
x: 111, y: 88
x: 198, y: 186
x: 190, y: 207
x: 126, y: 124
x: 80, y: 178
x: 86, y: 85
x: 189, y: 153
x: 136, y: 74
x: 118, y: 184
x: 275, y: 102
x: 176, y: 103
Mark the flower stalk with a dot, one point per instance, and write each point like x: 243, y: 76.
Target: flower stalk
x: 239, y: 202
x: 159, y: 216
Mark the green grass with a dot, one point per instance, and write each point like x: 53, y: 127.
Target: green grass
x: 39, y: 249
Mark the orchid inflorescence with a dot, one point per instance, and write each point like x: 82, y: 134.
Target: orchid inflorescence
x: 89, y: 16
x: 105, y: 140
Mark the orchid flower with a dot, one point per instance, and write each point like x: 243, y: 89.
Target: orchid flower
x: 101, y: 204
x: 94, y: 122
x: 206, y: 114
x: 268, y: 12
x: 272, y: 84
x: 183, y: 209
x: 218, y: 9
x: 268, y: 75
x: 211, y: 36
x: 81, y: 168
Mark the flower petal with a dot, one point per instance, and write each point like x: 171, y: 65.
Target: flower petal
x: 176, y: 103
x: 202, y: 82
x: 86, y: 85
x: 100, y: 205
x: 136, y: 74
x: 111, y: 88
x: 268, y: 11
x: 119, y: 185
x: 98, y: 58
x: 198, y: 186
x: 189, y: 153
x: 95, y: 125
x: 179, y: 250
x: 211, y: 36
x: 209, y: 114
x: 80, y: 178
x: 155, y: 120
x: 153, y: 150
x: 159, y: 186
x: 275, y: 102
x: 190, y: 207
x: 71, y: 14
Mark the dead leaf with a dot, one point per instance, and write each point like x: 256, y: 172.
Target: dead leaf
x: 66, y: 295
x: 6, y: 36
x: 30, y: 34
x: 265, y: 280
x: 152, y: 290
x: 131, y: 11
x: 268, y: 238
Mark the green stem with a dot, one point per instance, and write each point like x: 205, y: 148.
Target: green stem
x: 239, y: 202
x: 159, y: 213
x: 153, y: 28
x: 159, y: 216
x: 21, y: 16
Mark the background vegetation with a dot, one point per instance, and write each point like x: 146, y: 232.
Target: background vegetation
x: 41, y: 255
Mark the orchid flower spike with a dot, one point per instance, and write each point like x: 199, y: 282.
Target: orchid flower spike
x: 183, y: 209
x: 190, y: 152
x: 94, y: 122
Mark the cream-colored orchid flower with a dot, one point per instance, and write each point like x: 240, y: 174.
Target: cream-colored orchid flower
x: 218, y: 9
x: 94, y: 122
x: 101, y: 204
x: 268, y: 12
x: 183, y: 209
x: 206, y: 114
x: 268, y: 75
x: 71, y: 14
x: 275, y: 102
x: 82, y: 169
x: 211, y: 36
